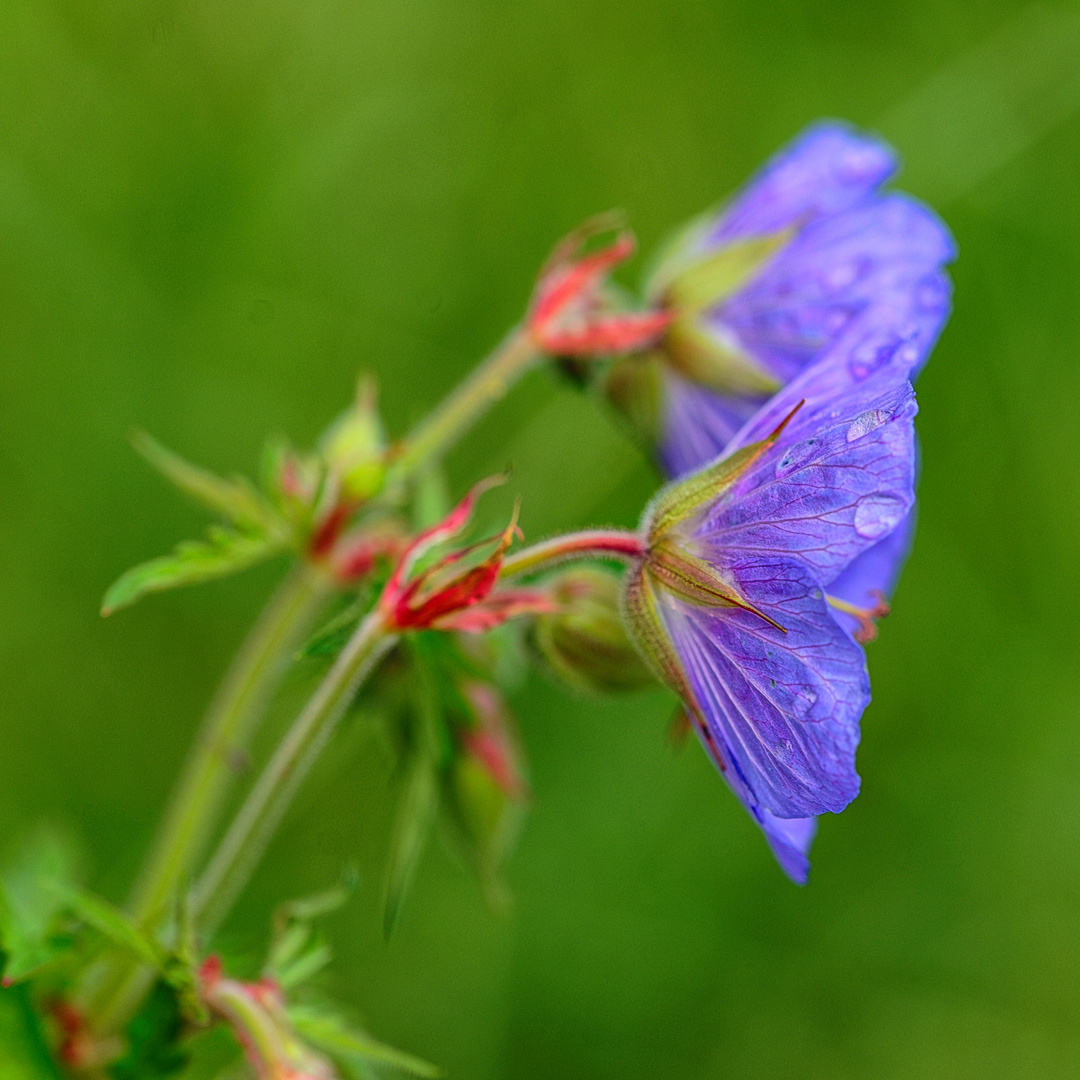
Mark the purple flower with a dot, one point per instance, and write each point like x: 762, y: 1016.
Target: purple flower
x: 841, y: 252
x: 731, y: 604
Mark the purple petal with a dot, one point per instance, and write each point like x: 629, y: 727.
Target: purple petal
x: 873, y: 572
x: 790, y: 840
x: 828, y: 167
x: 873, y: 256
x: 840, y: 478
x: 698, y: 424
x: 782, y: 708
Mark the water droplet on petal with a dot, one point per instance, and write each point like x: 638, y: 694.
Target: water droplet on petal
x: 867, y: 422
x: 797, y: 456
x: 877, y: 515
x: 870, y: 355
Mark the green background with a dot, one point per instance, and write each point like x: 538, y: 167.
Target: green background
x: 212, y: 215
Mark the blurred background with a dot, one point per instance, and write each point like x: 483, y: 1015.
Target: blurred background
x: 213, y: 215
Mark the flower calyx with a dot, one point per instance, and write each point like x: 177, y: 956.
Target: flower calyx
x: 680, y: 567
x: 573, y: 311
x: 457, y: 590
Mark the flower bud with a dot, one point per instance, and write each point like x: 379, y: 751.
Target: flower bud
x: 585, y: 642
x: 354, y: 447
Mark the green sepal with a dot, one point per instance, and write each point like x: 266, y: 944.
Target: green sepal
x: 708, y: 279
x: 641, y: 610
x: 224, y: 552
x: 681, y: 501
x: 417, y: 808
x: 714, y: 360
x: 634, y: 384
x: 364, y: 1056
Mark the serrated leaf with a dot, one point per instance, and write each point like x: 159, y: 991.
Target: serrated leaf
x: 24, y: 1053
x: 235, y: 498
x: 30, y: 904
x: 193, y: 561
x: 353, y: 1048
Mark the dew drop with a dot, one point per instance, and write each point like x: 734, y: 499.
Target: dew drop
x: 797, y: 456
x: 867, y: 422
x: 877, y: 515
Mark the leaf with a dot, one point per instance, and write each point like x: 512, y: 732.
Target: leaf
x: 109, y: 921
x: 415, y: 816
x: 153, y: 1039
x: 296, y: 953
x: 236, y: 498
x: 224, y: 552
x: 24, y: 1053
x: 329, y: 1032
x: 31, y: 905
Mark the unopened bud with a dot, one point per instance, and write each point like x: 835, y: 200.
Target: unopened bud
x: 354, y: 447
x: 585, y: 642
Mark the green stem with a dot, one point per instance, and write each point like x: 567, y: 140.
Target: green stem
x: 617, y: 544
x: 229, y: 725
x: 243, y: 845
x: 488, y: 383
x: 204, y: 784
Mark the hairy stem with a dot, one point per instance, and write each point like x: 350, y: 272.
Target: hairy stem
x: 615, y: 544
x: 488, y: 384
x: 243, y: 845
x: 230, y: 723
x: 203, y: 786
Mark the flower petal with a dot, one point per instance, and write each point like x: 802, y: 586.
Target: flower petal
x: 839, y: 479
x: 778, y: 710
x: 873, y: 256
x: 827, y: 168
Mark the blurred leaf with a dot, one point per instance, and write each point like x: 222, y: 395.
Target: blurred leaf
x: 296, y: 953
x: 193, y: 561
x: 415, y: 816
x: 111, y: 923
x: 31, y: 902
x: 364, y: 1056
x: 153, y: 1038
x: 236, y: 499
x: 24, y: 1053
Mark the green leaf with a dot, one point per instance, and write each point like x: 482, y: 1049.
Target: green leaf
x: 224, y: 552
x: 416, y: 814
x: 153, y: 1038
x: 236, y: 498
x: 296, y: 953
x: 24, y: 1053
x: 111, y: 923
x: 353, y: 1048
x: 31, y: 905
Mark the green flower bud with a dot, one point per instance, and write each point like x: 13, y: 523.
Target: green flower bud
x: 354, y: 448
x: 585, y: 642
